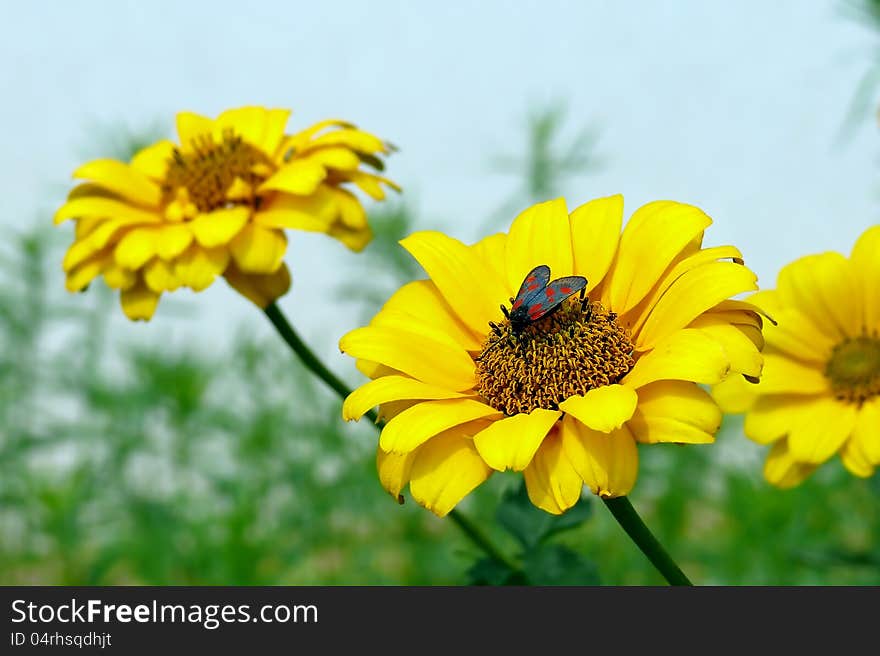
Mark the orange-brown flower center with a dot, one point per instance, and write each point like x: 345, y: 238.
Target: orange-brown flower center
x: 210, y: 172
x: 570, y: 352
x: 854, y: 369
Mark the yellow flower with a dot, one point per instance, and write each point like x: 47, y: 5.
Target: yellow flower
x: 566, y: 401
x: 218, y: 204
x: 820, y: 390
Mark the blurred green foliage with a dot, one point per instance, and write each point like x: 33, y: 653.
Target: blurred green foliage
x: 864, y: 102
x: 134, y: 463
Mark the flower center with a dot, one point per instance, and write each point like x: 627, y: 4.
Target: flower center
x: 854, y: 369
x: 215, y: 175
x: 570, y: 352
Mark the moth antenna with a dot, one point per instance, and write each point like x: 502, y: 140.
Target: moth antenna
x: 505, y: 312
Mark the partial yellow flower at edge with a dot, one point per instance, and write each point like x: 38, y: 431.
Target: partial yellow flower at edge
x: 566, y: 401
x: 819, y: 395
x: 219, y: 203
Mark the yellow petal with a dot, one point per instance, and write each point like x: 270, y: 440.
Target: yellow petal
x: 492, y: 250
x: 258, y: 250
x: 342, y: 159
x: 855, y: 460
x: 220, y: 226
x: 172, y: 240
x: 295, y: 144
x: 741, y: 351
x: 300, y: 177
x: 422, y: 302
x: 78, y: 252
x: 256, y: 125
x: 122, y: 179
x: 654, y: 235
x: 108, y: 231
x: 784, y: 375
x: 462, y: 277
x: 159, y: 276
x: 734, y: 394
x: 118, y: 278
x: 428, y: 360
x: 349, y: 212
x: 607, y: 463
x: 198, y: 267
x: 867, y: 264
x: 688, y: 354
x: 692, y: 294
x: 136, y: 248
x: 797, y: 336
x: 79, y: 277
x: 152, y: 161
x: 675, y: 411
x: 511, y: 442
x: 822, y: 430
x: 390, y: 388
x: 394, y: 470
x: 824, y: 289
x: 639, y: 314
x: 445, y: 470
x: 260, y: 289
x: 782, y: 470
x: 595, y: 233
x: 772, y: 417
x: 539, y: 235
x: 192, y: 127
x: 370, y: 184
x: 350, y: 138
x: 552, y: 483
x: 312, y: 213
x: 603, y: 409
x: 421, y: 422
x: 100, y: 206
x: 355, y: 240
x: 867, y: 430
x: 139, y: 302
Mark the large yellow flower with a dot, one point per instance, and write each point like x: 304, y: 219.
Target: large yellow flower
x: 218, y: 204
x: 820, y: 391
x: 566, y: 401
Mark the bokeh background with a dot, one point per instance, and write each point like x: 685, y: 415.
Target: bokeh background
x: 194, y: 449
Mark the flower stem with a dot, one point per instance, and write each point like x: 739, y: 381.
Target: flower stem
x: 629, y: 519
x: 481, y: 540
x: 310, y: 360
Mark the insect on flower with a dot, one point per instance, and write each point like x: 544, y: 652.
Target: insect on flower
x: 537, y: 298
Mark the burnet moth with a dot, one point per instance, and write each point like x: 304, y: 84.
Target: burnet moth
x: 537, y: 298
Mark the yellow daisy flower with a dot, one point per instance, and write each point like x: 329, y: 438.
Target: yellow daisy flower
x: 218, y: 204
x: 567, y: 400
x: 820, y: 391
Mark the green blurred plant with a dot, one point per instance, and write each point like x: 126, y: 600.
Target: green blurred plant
x: 864, y: 101
x: 545, y: 164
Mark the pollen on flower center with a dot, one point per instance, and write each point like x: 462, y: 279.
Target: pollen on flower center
x: 854, y: 369
x: 570, y: 352
x: 212, y: 175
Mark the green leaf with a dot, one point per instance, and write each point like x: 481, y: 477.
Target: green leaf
x: 488, y: 571
x: 530, y: 525
x: 556, y: 564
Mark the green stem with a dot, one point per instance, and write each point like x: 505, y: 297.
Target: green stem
x: 481, y: 540
x: 310, y: 360
x: 629, y: 519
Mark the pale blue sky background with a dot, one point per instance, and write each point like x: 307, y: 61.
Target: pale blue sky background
x: 732, y: 106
